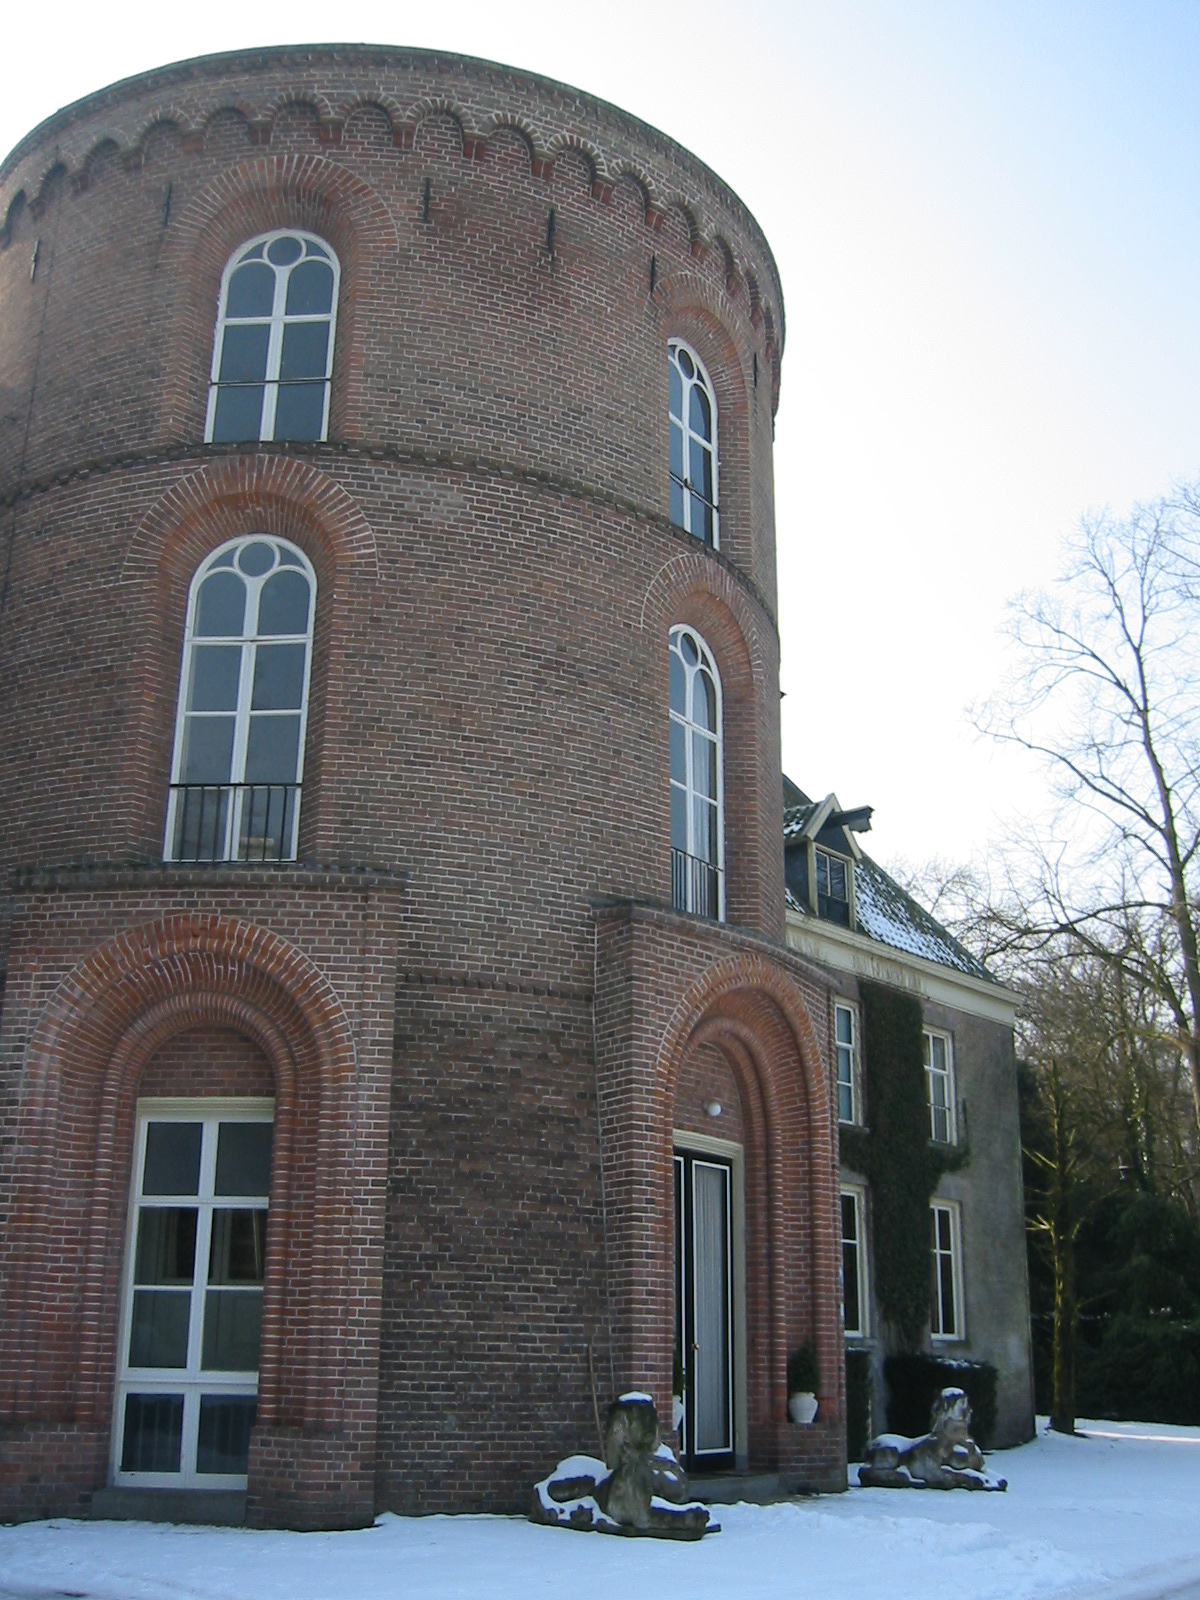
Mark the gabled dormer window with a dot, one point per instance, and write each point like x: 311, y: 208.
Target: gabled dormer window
x: 833, y: 887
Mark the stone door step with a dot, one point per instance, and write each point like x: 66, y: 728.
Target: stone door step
x: 757, y: 1487
x: 214, y: 1507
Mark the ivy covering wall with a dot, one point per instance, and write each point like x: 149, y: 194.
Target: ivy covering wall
x: 896, y: 1157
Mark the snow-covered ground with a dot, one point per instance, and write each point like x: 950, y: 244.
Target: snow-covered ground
x: 1115, y: 1514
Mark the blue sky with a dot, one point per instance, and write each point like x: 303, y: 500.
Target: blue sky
x: 987, y: 220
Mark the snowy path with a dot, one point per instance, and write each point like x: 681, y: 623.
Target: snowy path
x: 1114, y: 1516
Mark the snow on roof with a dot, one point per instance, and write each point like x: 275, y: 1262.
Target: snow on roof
x: 882, y: 909
x: 885, y: 912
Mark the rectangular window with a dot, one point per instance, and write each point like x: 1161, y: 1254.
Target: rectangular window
x: 945, y: 1308
x: 854, y: 1264
x: 192, y: 1309
x: 939, y: 1084
x: 845, y: 1049
x: 833, y: 888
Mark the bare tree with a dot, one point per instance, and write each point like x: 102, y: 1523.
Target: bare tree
x: 1108, y: 695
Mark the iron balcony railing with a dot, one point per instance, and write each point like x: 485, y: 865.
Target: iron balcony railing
x: 232, y: 822
x: 695, y: 885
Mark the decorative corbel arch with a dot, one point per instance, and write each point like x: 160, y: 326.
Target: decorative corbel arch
x: 83, y: 1064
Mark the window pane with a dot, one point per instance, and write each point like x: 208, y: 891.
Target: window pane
x: 837, y: 879
x: 704, y: 765
x: 284, y: 603
x: 676, y: 507
x: 299, y: 411
x: 845, y: 1101
x: 207, y: 750
x: 701, y: 520
x: 172, y: 1158
x: 700, y: 413
x: 278, y: 677
x: 232, y: 1330
x: 238, y: 1247
x: 678, y: 752
x: 305, y: 347
x: 704, y: 702
x: 700, y: 469
x: 678, y: 685
x: 200, y: 821
x: 244, y: 1158
x: 949, y: 1309
x: 153, y: 1433
x: 158, y: 1333
x: 251, y: 291
x: 272, y: 749
x: 239, y: 414
x: 265, y: 829
x: 166, y: 1246
x: 937, y: 1047
x: 822, y: 873
x: 676, y: 461
x: 221, y: 606
x: 844, y: 1024
x: 705, y: 840
x: 679, y: 827
x: 216, y: 669
x: 310, y: 289
x: 223, y: 1444
x: 244, y: 353
x: 285, y: 250
x: 676, y: 386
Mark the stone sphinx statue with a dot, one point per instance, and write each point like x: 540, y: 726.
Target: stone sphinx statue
x: 945, y: 1458
x: 639, y: 1488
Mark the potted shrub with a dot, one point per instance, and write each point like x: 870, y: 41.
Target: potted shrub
x: 803, y: 1376
x: 678, y: 1388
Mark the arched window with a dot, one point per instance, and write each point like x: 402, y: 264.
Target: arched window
x: 273, y: 348
x: 693, y: 445
x: 697, y: 823
x: 243, y: 701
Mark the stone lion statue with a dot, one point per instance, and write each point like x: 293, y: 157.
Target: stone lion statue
x: 944, y: 1458
x: 639, y: 1488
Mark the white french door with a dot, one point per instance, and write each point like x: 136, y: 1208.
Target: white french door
x: 704, y: 1305
x: 193, y: 1290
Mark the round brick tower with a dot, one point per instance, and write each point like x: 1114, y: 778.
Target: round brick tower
x: 390, y: 809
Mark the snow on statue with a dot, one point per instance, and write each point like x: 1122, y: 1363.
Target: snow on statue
x: 639, y: 1488
x: 945, y: 1458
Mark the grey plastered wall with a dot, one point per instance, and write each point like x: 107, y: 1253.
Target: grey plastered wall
x: 988, y: 1190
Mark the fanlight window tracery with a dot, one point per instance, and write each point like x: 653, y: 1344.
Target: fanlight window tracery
x: 273, y: 348
x: 697, y: 824
x: 693, y: 445
x: 243, y: 705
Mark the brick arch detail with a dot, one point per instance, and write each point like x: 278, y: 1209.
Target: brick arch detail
x: 271, y: 191
x: 82, y: 1067
x: 695, y: 589
x: 692, y: 586
x: 227, y: 497
x: 750, y: 1009
x: 231, y: 494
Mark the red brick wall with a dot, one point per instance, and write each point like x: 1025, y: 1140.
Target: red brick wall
x: 497, y: 580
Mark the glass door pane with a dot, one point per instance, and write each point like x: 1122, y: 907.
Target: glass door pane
x: 710, y: 1262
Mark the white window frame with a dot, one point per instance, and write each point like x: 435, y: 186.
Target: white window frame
x: 707, y: 662
x: 848, y: 868
x: 841, y: 1052
x: 278, y: 320
x: 193, y: 1381
x: 946, y: 1075
x: 249, y: 645
x: 856, y: 1193
x: 937, y: 1318
x: 705, y: 382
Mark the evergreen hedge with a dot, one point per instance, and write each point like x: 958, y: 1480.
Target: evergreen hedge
x: 915, y: 1381
x: 858, y: 1403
